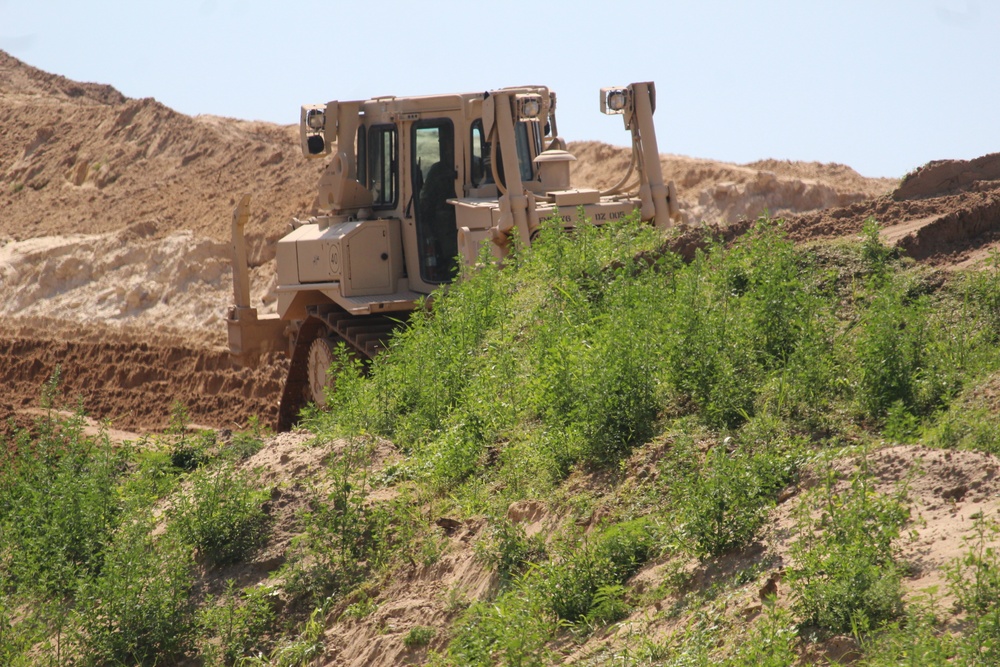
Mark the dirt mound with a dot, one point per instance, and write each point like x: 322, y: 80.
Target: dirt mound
x: 82, y: 158
x: 724, y: 193
x: 143, y: 275
x: 20, y: 78
x: 943, y: 177
x: 946, y: 213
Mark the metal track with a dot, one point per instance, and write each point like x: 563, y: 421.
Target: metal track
x: 365, y: 335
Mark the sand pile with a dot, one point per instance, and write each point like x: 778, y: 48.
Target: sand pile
x: 718, y: 192
x: 138, y: 278
x: 946, y: 213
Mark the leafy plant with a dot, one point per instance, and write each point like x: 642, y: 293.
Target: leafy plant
x: 237, y: 624
x: 723, y: 501
x: 845, y: 575
x: 58, y: 503
x: 222, y: 516
x: 608, y: 606
x: 303, y: 650
x: 343, y: 536
x: 418, y: 636
x: 570, y: 585
x: 974, y: 579
x: 508, y: 549
x: 137, y: 609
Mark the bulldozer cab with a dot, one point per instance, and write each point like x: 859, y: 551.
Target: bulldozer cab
x: 417, y: 156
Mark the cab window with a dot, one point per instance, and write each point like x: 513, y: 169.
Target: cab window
x: 482, y: 171
x: 525, y: 135
x: 383, y: 148
x: 362, y: 157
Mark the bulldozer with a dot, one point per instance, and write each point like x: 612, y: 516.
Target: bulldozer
x: 413, y: 188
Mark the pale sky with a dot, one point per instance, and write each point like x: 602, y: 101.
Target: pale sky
x: 880, y: 85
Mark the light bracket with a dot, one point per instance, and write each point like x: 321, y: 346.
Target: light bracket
x: 616, y: 100
x: 528, y: 106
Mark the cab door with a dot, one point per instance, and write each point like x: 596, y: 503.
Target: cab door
x: 433, y: 176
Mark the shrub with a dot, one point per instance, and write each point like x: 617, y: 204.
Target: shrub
x: 343, y: 536
x: 509, y: 550
x: 511, y: 630
x: 237, y: 624
x: 974, y: 580
x: 723, y: 501
x: 570, y: 585
x: 889, y: 353
x: 845, y: 575
x: 58, y: 504
x: 222, y: 515
x: 418, y: 636
x: 138, y: 610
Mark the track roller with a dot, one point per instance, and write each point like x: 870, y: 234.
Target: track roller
x: 320, y: 358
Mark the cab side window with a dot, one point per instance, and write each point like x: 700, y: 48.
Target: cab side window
x: 383, y: 149
x: 482, y: 171
x: 523, y: 136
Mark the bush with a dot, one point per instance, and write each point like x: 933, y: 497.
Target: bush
x: 138, y: 610
x: 974, y: 580
x: 58, y: 504
x: 418, y: 636
x: 237, y: 624
x: 222, y: 515
x: 509, y: 550
x: 511, y: 630
x: 343, y: 536
x: 571, y: 585
x: 723, y: 501
x: 845, y: 576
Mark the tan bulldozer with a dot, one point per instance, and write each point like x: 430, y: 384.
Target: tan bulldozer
x: 414, y: 187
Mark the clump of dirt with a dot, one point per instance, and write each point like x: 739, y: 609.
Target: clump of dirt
x: 946, y: 213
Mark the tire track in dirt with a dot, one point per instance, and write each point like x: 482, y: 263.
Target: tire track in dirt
x: 135, y: 384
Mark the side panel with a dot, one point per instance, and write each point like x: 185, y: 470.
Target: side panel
x: 372, y: 266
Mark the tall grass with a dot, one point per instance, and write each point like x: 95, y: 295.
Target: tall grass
x: 58, y: 505
x: 91, y: 569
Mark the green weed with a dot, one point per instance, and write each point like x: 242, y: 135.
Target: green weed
x: 722, y: 501
x: 237, y: 624
x: 343, y: 537
x: 974, y: 579
x: 137, y: 609
x: 507, y: 548
x: 222, y: 516
x: 418, y: 636
x: 58, y: 504
x: 846, y: 577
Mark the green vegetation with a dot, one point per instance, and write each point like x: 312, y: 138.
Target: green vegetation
x: 657, y: 408
x: 845, y: 572
x: 90, y: 566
